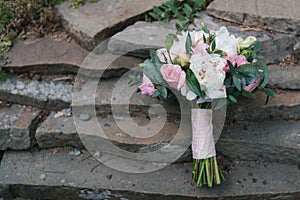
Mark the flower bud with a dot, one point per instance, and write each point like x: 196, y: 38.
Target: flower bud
x: 246, y: 43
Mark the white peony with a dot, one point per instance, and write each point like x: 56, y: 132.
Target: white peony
x: 208, y: 70
x: 227, y: 42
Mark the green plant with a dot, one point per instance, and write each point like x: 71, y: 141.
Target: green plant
x: 183, y: 10
x: 2, y: 74
x: 19, y: 16
x: 76, y: 3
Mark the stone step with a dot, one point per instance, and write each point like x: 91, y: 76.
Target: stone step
x: 17, y: 127
x: 270, y: 140
x: 268, y: 14
x: 116, y: 94
x: 48, y: 175
x: 284, y: 77
x: 94, y: 22
x: 142, y: 35
x: 52, y: 57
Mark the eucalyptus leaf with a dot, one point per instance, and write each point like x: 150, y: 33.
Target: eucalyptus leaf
x: 169, y: 42
x: 193, y: 83
x: 248, y: 94
x: 269, y: 92
x: 163, y: 91
x: 237, y: 83
x: 232, y: 98
x: 188, y: 44
x: 152, y: 72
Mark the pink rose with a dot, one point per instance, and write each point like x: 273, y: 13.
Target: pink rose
x: 147, y: 88
x: 200, y: 49
x: 254, y: 85
x: 235, y: 59
x: 173, y: 75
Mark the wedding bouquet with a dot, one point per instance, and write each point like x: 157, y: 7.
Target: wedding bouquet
x: 203, y: 66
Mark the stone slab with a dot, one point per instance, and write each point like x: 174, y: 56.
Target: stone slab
x: 49, y: 56
x: 17, y: 127
x: 42, y: 94
x: 270, y: 141
x: 136, y: 39
x: 45, y: 55
x: 40, y: 175
x: 61, y: 132
x: 282, y: 16
x: 95, y: 22
x: 57, y: 132
x: 107, y: 65
x: 277, y: 141
x: 284, y: 106
x: 284, y: 77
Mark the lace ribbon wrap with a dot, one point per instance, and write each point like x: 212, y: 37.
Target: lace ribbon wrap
x: 203, y: 145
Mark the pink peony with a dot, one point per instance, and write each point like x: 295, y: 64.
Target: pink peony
x: 235, y: 59
x: 147, y: 88
x: 254, y: 85
x: 173, y: 75
x: 200, y: 49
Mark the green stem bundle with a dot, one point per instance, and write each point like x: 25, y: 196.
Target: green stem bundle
x: 206, y: 172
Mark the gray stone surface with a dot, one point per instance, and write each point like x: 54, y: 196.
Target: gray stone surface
x: 57, y: 132
x: 94, y: 22
x: 17, y: 127
x: 284, y: 77
x: 45, y: 55
x: 49, y: 56
x: 107, y: 64
x: 282, y: 16
x: 84, y: 178
x: 285, y: 106
x: 42, y: 94
x: 135, y: 39
x: 277, y: 141
x: 270, y: 140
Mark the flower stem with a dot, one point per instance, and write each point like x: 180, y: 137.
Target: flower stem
x: 206, y: 172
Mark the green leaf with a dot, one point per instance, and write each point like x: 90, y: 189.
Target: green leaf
x: 213, y: 45
x: 204, y: 28
x: 249, y: 70
x: 163, y: 91
x: 232, y: 98
x: 237, y: 83
x: 187, y: 9
x: 269, y: 92
x: 154, y: 57
x: 152, y: 72
x: 256, y: 46
x: 169, y: 42
x: 156, y: 93
x: 265, y: 73
x: 248, y: 94
x: 178, y: 27
x: 227, y: 82
x: 193, y: 83
x: 221, y: 102
x: 220, y: 52
x: 232, y: 69
x: 188, y: 44
x: 180, y: 17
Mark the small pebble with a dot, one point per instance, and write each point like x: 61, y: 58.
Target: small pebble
x: 75, y: 152
x: 43, y: 177
x: 84, y: 117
